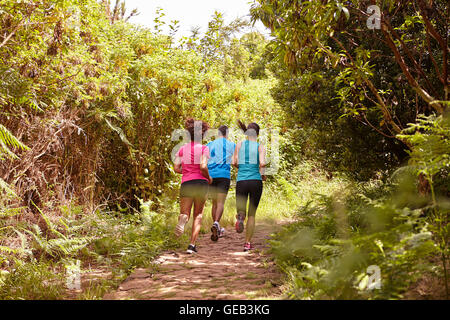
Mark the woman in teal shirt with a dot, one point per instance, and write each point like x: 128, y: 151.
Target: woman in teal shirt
x: 249, y: 158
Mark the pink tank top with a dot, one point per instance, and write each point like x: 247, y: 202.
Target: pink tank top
x: 191, y: 155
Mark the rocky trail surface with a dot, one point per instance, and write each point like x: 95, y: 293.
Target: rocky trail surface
x: 220, y: 270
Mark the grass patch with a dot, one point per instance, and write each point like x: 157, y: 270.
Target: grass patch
x: 251, y: 275
x: 36, y: 268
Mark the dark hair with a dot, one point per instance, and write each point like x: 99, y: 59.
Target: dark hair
x: 190, y: 126
x: 223, y: 130
x: 251, y: 129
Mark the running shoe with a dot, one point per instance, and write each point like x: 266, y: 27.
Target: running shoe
x: 222, y: 233
x: 240, y: 217
x: 191, y: 249
x: 182, y: 220
x: 248, y: 246
x: 215, y: 229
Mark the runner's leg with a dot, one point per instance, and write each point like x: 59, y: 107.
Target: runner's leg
x: 214, y: 209
x: 220, y: 205
x: 185, y: 213
x: 186, y: 206
x: 214, y: 228
x: 255, y: 196
x: 199, y: 204
x: 241, y: 205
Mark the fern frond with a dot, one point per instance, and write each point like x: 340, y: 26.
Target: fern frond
x: 7, y: 249
x: 68, y: 246
x: 37, y: 236
x: 7, y: 140
x: 50, y: 225
x: 4, y: 187
x: 23, y: 243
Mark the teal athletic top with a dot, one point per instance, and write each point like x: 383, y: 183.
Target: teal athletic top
x: 248, y: 161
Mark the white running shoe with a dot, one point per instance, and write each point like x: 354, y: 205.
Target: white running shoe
x: 182, y: 220
x: 215, y: 229
x: 191, y: 249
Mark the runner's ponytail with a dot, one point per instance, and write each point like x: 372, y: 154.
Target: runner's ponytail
x: 251, y: 129
x: 242, y: 125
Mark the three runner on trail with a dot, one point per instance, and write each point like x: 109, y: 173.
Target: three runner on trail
x: 207, y: 170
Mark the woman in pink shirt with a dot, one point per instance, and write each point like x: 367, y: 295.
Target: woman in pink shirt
x: 192, y: 162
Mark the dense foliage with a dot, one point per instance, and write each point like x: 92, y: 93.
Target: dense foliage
x: 368, y: 100
x: 103, y: 99
x: 89, y: 103
x: 88, y: 106
x: 358, y: 88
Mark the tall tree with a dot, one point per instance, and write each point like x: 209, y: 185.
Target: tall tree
x: 118, y: 11
x: 336, y: 35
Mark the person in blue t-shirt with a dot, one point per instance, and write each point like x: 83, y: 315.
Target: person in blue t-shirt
x: 219, y: 166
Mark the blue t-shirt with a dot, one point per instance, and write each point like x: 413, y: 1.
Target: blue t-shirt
x: 248, y: 160
x: 221, y: 153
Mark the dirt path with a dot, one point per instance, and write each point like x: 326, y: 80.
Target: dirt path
x: 220, y: 270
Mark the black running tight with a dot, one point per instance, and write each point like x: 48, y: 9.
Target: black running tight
x: 248, y: 189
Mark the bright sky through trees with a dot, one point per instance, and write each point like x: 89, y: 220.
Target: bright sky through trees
x: 190, y: 13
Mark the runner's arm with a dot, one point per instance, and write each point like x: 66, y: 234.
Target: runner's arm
x: 177, y: 165
x: 204, y: 168
x: 262, y: 161
x: 262, y: 156
x: 234, y: 160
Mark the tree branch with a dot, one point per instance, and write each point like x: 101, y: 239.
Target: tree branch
x: 434, y: 61
x: 384, y: 109
x: 401, y: 62
x: 442, y: 43
x: 375, y: 128
x: 12, y: 33
x: 409, y: 54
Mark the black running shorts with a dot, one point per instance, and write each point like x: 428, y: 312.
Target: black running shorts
x: 219, y: 185
x: 197, y: 189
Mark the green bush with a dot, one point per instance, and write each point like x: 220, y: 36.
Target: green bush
x: 32, y: 281
x: 327, y: 251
